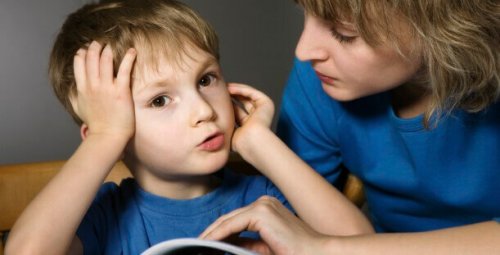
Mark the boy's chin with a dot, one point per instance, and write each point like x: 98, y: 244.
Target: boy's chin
x: 217, y: 163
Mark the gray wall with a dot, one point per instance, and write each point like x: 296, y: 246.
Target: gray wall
x: 257, y: 40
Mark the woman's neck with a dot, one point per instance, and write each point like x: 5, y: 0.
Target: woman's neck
x: 410, y: 100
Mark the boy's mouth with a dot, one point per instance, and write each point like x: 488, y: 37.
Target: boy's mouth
x: 213, y: 142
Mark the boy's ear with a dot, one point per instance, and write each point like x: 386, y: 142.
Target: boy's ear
x: 84, y: 131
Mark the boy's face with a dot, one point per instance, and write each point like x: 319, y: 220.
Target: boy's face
x: 184, y: 118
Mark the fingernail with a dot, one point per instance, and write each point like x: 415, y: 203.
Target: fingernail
x: 94, y: 43
x: 80, y: 51
x: 107, y: 47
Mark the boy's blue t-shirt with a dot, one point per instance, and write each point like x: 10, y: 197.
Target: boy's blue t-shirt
x: 127, y: 220
x: 415, y: 179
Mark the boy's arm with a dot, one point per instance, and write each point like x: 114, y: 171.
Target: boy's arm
x: 48, y: 225
x: 316, y: 201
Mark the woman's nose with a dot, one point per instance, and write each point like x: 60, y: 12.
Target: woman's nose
x: 312, y: 40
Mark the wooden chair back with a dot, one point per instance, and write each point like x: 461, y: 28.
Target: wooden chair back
x: 19, y: 183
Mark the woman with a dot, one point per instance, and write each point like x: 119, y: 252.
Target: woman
x: 403, y: 94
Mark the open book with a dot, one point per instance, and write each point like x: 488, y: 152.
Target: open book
x: 194, y: 246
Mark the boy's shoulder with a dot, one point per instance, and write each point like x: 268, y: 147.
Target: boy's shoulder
x: 111, y: 193
x: 234, y: 186
x: 234, y: 179
x: 251, y: 187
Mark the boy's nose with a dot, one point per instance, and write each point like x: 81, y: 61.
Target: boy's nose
x: 202, y: 111
x: 312, y: 40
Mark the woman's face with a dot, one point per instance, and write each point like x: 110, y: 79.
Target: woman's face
x: 347, y: 66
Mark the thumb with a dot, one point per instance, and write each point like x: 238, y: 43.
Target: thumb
x: 258, y: 246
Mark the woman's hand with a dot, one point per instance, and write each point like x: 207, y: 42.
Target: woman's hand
x: 280, y: 230
x: 253, y: 114
x: 104, y: 102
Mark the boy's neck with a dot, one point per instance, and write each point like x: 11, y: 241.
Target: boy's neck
x: 179, y: 188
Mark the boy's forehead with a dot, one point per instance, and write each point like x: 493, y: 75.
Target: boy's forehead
x: 149, y: 70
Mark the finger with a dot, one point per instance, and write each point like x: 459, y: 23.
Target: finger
x: 245, y: 91
x: 230, y: 226
x: 250, y: 97
x: 258, y: 246
x: 242, y: 103
x: 125, y: 69
x: 221, y: 219
x: 106, y: 65
x: 79, y: 68
x: 80, y: 79
x: 92, y: 63
x: 236, y: 84
x: 241, y: 115
x: 240, y: 112
x: 238, y: 104
x: 240, y: 220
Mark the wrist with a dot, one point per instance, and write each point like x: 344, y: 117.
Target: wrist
x: 330, y: 245
x: 112, y: 134
x: 253, y: 139
x: 98, y: 152
x: 112, y: 139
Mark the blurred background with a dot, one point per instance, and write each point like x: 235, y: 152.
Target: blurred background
x: 257, y: 41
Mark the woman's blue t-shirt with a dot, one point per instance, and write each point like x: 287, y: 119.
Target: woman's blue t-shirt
x: 416, y: 179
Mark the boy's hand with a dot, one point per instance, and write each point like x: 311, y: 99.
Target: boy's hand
x: 104, y: 102
x: 257, y: 113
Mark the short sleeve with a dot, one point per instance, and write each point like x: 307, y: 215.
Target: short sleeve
x: 308, y: 121
x: 94, y: 224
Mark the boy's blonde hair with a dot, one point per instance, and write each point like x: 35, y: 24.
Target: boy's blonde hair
x: 153, y: 27
x: 459, y: 41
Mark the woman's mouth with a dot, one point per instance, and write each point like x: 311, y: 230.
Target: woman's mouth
x: 326, y: 79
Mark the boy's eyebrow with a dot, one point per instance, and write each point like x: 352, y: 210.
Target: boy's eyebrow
x: 209, y: 61
x: 161, y: 82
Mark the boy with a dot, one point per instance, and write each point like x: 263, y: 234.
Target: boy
x: 166, y: 112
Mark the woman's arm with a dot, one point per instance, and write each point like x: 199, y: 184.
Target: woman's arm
x: 283, y: 233
x: 476, y: 239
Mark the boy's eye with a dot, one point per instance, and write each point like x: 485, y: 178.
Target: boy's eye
x: 206, y: 80
x: 160, y: 101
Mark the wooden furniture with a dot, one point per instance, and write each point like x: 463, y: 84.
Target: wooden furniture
x: 19, y: 183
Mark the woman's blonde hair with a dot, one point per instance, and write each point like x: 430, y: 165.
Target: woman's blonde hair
x: 153, y: 27
x: 459, y: 41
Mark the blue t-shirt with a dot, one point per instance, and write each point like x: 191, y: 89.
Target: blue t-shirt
x: 415, y: 179
x: 126, y: 219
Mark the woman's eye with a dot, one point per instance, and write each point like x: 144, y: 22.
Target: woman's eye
x: 160, y: 101
x: 206, y: 80
x: 342, y: 38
